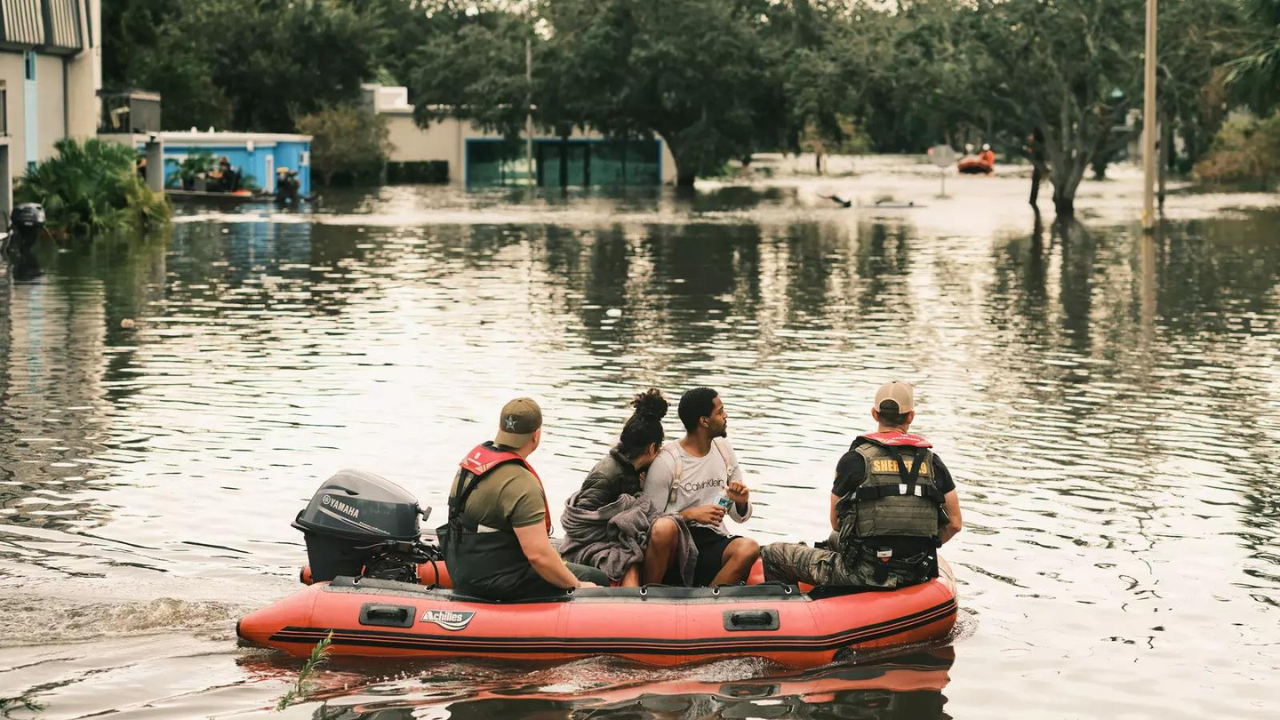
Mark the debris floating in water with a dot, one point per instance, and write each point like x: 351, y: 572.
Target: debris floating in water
x: 127, y: 323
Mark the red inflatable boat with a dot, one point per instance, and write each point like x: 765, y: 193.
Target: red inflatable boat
x: 657, y: 625
x: 378, y: 593
x: 974, y: 166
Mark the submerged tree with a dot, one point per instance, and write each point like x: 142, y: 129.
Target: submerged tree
x: 1068, y: 71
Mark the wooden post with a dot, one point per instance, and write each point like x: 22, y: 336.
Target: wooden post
x: 528, y: 118
x: 1166, y: 148
x: 1149, y: 124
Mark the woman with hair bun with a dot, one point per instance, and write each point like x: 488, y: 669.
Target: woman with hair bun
x: 608, y: 522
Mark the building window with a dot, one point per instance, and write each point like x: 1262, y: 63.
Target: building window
x: 565, y: 163
x: 29, y: 60
x: 4, y: 110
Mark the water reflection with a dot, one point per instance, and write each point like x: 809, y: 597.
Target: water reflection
x: 904, y: 687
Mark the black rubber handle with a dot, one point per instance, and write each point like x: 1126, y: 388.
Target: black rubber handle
x: 751, y: 620
x: 387, y: 615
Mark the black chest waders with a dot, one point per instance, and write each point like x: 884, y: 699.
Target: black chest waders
x: 485, y: 562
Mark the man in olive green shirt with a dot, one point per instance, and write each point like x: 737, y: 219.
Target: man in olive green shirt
x: 497, y: 542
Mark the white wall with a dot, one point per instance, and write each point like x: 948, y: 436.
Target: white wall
x: 13, y: 75
x: 50, y: 101
x: 414, y: 144
x: 84, y: 77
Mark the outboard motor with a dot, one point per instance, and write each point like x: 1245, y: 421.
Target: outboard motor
x: 359, y: 524
x: 25, y: 225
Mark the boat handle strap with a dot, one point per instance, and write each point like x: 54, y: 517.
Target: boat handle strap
x: 739, y: 620
x: 387, y: 615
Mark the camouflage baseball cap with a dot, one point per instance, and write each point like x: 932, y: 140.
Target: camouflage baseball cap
x: 519, y: 419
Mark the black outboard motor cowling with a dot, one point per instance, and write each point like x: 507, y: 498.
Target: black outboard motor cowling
x: 28, y: 215
x: 26, y: 222
x: 354, y: 518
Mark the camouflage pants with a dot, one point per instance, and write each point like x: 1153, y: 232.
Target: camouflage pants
x: 793, y: 562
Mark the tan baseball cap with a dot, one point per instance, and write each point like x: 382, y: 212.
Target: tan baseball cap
x: 519, y: 420
x: 900, y: 394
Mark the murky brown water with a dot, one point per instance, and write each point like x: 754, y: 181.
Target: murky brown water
x: 1110, y: 406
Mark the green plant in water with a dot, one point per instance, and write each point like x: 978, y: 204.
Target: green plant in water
x: 249, y: 182
x: 1245, y: 153
x: 201, y: 163
x: 8, y: 705
x: 302, y: 687
x: 92, y: 188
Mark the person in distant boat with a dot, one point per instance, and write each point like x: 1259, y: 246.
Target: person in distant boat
x: 287, y: 185
x: 221, y: 178
x: 608, y: 523
x: 497, y: 542
x: 699, y: 478
x: 987, y: 157
x: 893, y: 504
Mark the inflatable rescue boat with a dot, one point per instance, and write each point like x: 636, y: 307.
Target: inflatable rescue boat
x: 368, y: 598
x: 974, y: 166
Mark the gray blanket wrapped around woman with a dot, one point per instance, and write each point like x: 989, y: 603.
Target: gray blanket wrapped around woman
x: 613, y: 538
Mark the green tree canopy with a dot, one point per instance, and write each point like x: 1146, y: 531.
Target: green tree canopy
x: 717, y: 79
x: 243, y: 64
x: 693, y: 72
x: 346, y: 139
x: 474, y: 69
x: 1256, y: 75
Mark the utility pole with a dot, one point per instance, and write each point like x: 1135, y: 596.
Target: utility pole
x: 528, y: 121
x: 1149, y: 113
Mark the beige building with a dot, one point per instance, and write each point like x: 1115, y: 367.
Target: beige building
x: 50, y: 74
x: 478, y: 158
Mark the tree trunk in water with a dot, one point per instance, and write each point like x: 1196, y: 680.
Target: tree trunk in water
x: 1064, y: 205
x: 1066, y: 178
x: 1064, y: 201
x: 1067, y: 172
x: 685, y: 173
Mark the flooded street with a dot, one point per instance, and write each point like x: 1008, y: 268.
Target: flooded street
x: 1108, y: 403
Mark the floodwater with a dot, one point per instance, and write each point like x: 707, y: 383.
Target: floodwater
x: 1109, y: 404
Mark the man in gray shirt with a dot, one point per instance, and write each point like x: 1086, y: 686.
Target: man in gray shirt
x: 700, y: 478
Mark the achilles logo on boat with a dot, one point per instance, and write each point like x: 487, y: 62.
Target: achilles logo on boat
x: 448, y: 619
